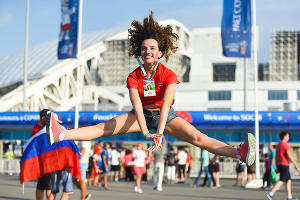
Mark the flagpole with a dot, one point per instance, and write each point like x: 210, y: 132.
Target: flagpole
x: 78, y: 91
x: 255, y: 89
x: 26, y: 56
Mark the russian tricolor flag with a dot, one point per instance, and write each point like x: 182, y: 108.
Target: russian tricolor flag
x: 40, y: 158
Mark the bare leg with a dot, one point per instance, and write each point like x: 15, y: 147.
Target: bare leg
x: 288, y: 187
x: 277, y: 187
x: 65, y: 196
x: 48, y: 192
x: 125, y: 123
x: 39, y: 194
x: 184, y: 131
x: 138, y: 181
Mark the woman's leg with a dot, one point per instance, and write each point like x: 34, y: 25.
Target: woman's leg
x: 184, y: 131
x: 121, y: 124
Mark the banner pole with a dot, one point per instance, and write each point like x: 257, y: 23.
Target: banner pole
x: 255, y: 88
x: 26, y: 57
x: 78, y: 91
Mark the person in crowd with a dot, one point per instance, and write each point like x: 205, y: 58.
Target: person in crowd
x: 210, y: 171
x: 139, y: 167
x: 128, y: 158
x: 271, y: 164
x: 203, y: 167
x: 85, y: 148
x: 283, y: 158
x: 189, y: 162
x: 115, y: 164
x: 105, y: 165
x: 251, y: 172
x: 181, y: 161
x: 171, y: 166
x: 44, y: 182
x: 65, y: 177
x: 240, y: 172
x: 158, y: 158
x: 146, y: 175
x: 265, y: 176
x: 122, y: 160
x: 216, y: 164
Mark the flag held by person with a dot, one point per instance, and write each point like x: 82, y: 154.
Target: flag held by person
x: 40, y: 158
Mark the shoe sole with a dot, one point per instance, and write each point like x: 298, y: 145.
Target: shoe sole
x: 50, y: 137
x: 250, y: 158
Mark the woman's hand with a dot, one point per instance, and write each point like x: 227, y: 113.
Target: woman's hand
x: 157, y: 140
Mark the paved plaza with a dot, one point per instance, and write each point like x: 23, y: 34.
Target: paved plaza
x: 10, y: 188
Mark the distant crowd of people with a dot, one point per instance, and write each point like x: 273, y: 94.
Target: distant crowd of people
x: 120, y: 163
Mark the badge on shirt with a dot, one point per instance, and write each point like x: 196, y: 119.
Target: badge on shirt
x: 149, y: 88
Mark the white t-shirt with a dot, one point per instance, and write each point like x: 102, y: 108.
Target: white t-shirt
x: 115, y: 155
x: 87, y: 146
x: 182, y: 156
x: 139, y: 158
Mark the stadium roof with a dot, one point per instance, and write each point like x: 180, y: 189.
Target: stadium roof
x: 42, y: 57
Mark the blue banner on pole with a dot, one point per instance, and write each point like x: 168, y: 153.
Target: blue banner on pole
x: 67, y: 44
x: 236, y: 28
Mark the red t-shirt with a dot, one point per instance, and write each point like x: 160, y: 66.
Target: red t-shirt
x: 162, y: 78
x: 281, y: 155
x: 37, y: 127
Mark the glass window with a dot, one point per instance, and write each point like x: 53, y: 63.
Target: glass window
x: 277, y: 95
x: 298, y: 94
x: 219, y: 95
x: 224, y: 72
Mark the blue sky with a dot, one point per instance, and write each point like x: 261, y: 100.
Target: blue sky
x: 98, y: 15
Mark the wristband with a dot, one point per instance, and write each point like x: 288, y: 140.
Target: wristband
x: 146, y: 134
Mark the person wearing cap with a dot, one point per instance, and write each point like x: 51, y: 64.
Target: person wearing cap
x: 44, y: 182
x: 152, y: 110
x: 39, y: 125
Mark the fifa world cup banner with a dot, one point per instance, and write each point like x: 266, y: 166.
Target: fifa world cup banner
x: 67, y: 44
x: 236, y: 28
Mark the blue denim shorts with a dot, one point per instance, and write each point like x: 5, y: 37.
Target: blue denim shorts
x: 66, y: 178
x: 83, y: 168
x: 152, y: 117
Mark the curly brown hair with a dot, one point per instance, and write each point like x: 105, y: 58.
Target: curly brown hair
x: 150, y: 29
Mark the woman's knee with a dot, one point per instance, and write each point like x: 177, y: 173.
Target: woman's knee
x: 199, y: 139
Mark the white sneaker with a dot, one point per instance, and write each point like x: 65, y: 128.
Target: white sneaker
x: 140, y: 190
x: 135, y: 189
x: 159, y: 189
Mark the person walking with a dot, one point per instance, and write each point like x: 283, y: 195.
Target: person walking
x: 283, y: 158
x: 84, y: 163
x: 115, y: 164
x: 203, y: 167
x: 171, y: 166
x: 240, y: 172
x: 139, y: 167
x: 181, y: 162
x: 158, y: 158
x: 105, y: 165
x: 271, y: 164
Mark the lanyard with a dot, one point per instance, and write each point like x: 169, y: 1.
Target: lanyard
x: 153, y: 71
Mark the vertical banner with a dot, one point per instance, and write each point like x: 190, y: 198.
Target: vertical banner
x: 67, y: 44
x: 236, y: 28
